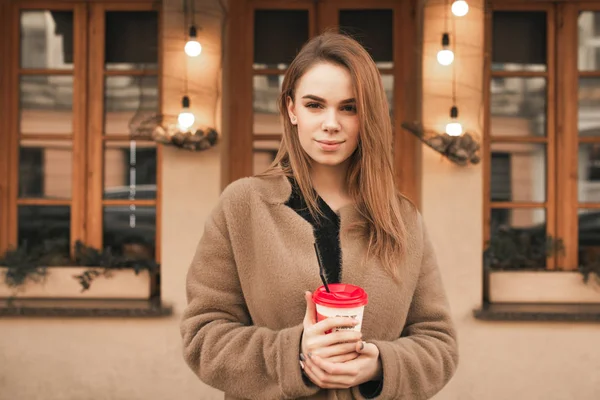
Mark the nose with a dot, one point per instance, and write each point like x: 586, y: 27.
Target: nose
x: 331, y: 123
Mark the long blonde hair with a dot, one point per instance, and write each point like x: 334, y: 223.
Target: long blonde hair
x: 370, y: 173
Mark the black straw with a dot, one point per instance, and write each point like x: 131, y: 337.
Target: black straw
x: 321, y: 269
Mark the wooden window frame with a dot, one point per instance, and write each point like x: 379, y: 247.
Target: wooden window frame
x: 562, y: 132
x: 86, y: 202
x: 237, y: 156
x: 4, y: 101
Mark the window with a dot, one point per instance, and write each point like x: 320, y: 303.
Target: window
x: 80, y: 78
x: 543, y: 129
x: 274, y: 31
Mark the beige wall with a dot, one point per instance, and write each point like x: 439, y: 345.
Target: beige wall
x: 499, y: 360
x: 128, y: 359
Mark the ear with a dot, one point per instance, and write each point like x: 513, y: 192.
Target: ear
x: 291, y: 111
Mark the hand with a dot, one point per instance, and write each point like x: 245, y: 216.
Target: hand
x: 327, y: 375
x: 337, y: 346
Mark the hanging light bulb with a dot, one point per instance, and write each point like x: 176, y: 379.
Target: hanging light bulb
x: 454, y: 128
x: 193, y: 47
x: 445, y: 56
x: 186, y: 118
x: 460, y: 8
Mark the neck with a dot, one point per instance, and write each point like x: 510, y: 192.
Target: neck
x: 329, y: 179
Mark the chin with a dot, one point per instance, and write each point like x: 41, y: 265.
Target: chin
x: 329, y: 160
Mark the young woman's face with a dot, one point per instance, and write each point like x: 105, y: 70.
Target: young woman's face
x: 324, y: 110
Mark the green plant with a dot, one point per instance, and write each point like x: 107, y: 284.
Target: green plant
x: 589, y: 270
x: 511, y: 249
x: 30, y: 263
x: 89, y: 256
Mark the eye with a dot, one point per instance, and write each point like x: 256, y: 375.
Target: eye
x: 349, y: 108
x: 313, y: 105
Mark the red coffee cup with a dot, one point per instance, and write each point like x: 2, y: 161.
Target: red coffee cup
x: 343, y: 300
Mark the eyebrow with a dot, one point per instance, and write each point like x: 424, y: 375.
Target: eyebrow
x: 322, y: 100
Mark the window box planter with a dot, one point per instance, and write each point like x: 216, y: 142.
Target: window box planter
x: 559, y: 287
x: 60, y: 282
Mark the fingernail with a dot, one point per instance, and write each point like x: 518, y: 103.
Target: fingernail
x: 301, y: 365
x: 302, y: 357
x: 362, y: 345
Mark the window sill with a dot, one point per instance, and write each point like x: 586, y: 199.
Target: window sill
x: 84, y: 308
x: 538, y: 312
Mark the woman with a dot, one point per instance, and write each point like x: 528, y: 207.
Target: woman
x: 247, y: 329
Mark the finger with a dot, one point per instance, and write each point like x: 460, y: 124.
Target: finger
x: 320, y: 377
x: 367, y: 348
x: 336, y: 350
x: 311, y: 313
x: 329, y: 324
x: 321, y: 341
x: 336, y: 372
x: 343, y: 358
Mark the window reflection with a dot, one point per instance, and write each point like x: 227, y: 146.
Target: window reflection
x: 518, y: 172
x: 130, y: 230
x: 518, y: 106
x: 47, y: 39
x: 46, y: 104
x: 45, y: 169
x: 264, y: 152
x: 129, y: 170
x: 264, y: 102
x: 589, y: 41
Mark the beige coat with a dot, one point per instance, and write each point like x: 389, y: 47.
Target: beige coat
x: 245, y: 288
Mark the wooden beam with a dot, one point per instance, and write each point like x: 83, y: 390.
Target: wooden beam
x: 237, y: 99
x: 408, y: 17
x: 567, y: 139
x: 95, y: 125
x: 4, y: 125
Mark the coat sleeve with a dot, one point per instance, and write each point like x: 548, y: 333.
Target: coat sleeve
x: 220, y: 344
x: 421, y: 362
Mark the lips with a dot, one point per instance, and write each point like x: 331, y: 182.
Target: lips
x: 330, y: 142
x: 329, y: 145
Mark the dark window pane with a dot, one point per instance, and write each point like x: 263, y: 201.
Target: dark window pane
x: 131, y: 40
x: 501, y: 177
x: 45, y: 169
x: 589, y: 237
x: 130, y: 230
x: 278, y: 36
x: 518, y: 106
x: 46, y: 104
x: 589, y: 39
x: 47, y: 39
x: 589, y: 173
x: 524, y: 178
x: 129, y: 170
x: 517, y: 239
x: 589, y: 106
x: 45, y: 226
x: 519, y: 40
x: 128, y: 102
x: 373, y: 29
